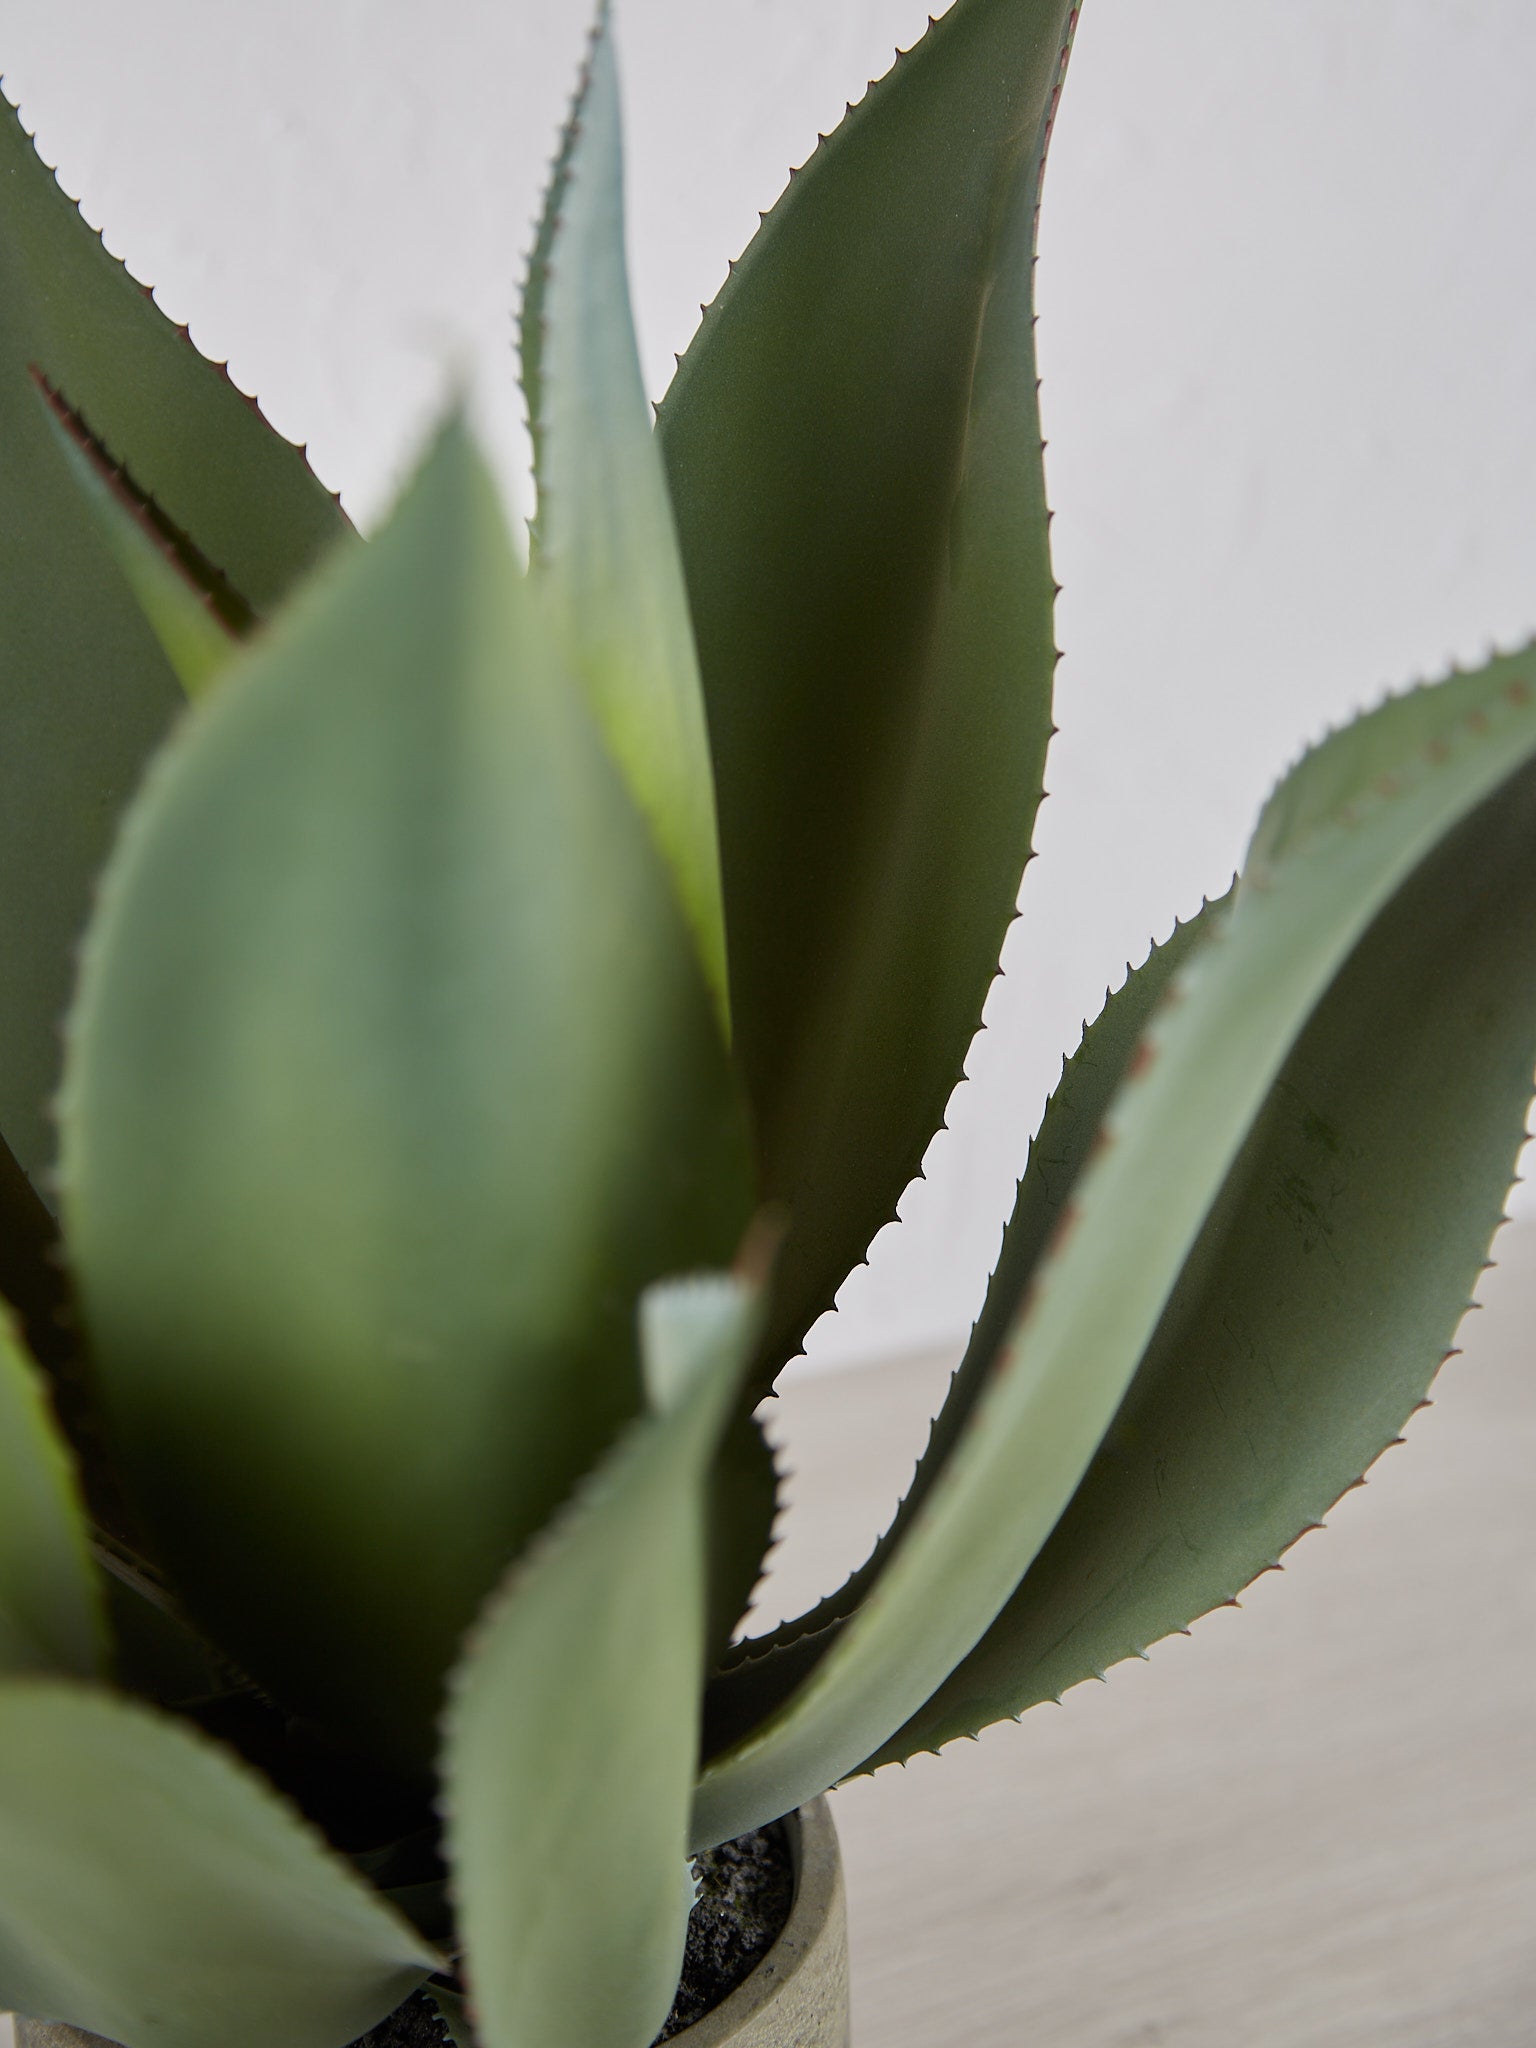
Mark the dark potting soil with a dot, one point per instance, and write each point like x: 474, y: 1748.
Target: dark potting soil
x: 416, y: 2024
x: 746, y: 1888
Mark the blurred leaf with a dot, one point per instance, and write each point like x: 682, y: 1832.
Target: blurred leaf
x: 154, y: 1891
x: 393, y: 1081
x: 85, y: 691
x: 1203, y: 1081
x: 604, y: 544
x: 572, y: 1734
x: 854, y: 455
x: 51, y: 1616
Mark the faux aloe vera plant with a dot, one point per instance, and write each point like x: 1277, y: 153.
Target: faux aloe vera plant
x: 486, y: 952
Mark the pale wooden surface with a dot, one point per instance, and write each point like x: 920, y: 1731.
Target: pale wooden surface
x: 1311, y: 1824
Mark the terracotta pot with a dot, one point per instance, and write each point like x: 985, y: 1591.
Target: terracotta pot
x: 797, y: 1997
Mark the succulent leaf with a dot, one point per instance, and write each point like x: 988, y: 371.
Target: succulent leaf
x: 743, y: 1508
x: 1202, y: 1081
x: 85, y: 691
x: 854, y: 455
x: 197, y: 615
x: 454, y: 2014
x: 34, y: 1285
x: 1322, y: 1295
x: 605, y: 548
x: 51, y: 1614
x: 393, y: 1081
x: 571, y: 1738
x: 764, y: 1671
x: 155, y: 1891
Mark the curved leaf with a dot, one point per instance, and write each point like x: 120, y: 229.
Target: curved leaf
x: 1322, y: 1295
x: 85, y: 692
x: 873, y: 616
x: 765, y: 1670
x: 572, y: 1736
x: 51, y: 1616
x: 392, y: 1082
x: 1196, y: 1089
x: 154, y: 1891
x: 604, y: 544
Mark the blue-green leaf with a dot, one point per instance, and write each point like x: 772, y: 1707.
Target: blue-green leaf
x: 155, y: 1891
x: 393, y: 1081
x: 86, y: 692
x: 572, y: 1737
x: 604, y: 543
x: 1206, y: 1087
x: 764, y: 1671
x: 1330, y: 1275
x: 854, y: 455
x: 196, y: 614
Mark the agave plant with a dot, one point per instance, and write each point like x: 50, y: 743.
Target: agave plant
x: 488, y: 945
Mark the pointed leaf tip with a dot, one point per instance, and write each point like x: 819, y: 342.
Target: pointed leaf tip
x: 687, y: 1327
x: 908, y: 713
x: 405, y: 801
x: 605, y: 547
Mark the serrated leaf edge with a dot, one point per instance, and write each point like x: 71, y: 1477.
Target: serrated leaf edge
x: 181, y: 327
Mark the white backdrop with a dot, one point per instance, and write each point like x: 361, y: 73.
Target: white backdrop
x: 1287, y: 339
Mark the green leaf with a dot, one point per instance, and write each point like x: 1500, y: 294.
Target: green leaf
x: 85, y: 692
x: 1320, y: 1300
x: 1202, y: 1081
x: 393, y: 1082
x: 604, y: 544
x: 743, y: 1508
x: 1328, y: 1280
x: 197, y: 616
x: 764, y: 1671
x: 51, y: 1616
x: 154, y: 1891
x: 33, y: 1283
x: 873, y: 616
x: 572, y: 1735
x: 454, y: 2014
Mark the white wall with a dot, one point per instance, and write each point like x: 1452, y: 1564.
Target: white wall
x: 1287, y: 337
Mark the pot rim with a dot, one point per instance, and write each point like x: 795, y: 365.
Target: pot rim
x: 818, y: 1898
